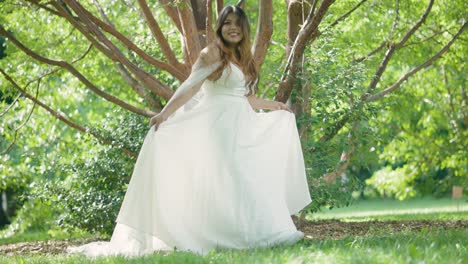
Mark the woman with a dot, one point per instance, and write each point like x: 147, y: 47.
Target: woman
x: 214, y: 173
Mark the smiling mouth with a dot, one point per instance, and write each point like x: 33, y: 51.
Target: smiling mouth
x: 233, y: 35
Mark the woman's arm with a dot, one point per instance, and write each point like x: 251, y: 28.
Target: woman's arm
x: 259, y: 103
x: 172, y: 106
x: 180, y: 100
x: 207, y: 63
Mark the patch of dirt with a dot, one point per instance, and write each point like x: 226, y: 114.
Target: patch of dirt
x: 41, y: 247
x: 335, y: 229
x: 317, y: 230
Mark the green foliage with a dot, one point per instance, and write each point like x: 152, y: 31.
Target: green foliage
x: 91, y: 195
x: 46, y: 151
x: 2, y: 47
x: 87, y: 192
x: 419, y: 130
x: 329, y: 196
x: 15, y: 184
x: 33, y: 216
x: 337, y: 83
x: 124, y: 128
x: 428, y: 132
x: 394, y: 182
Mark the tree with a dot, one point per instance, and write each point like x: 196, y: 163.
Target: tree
x: 189, y: 17
x: 337, y: 60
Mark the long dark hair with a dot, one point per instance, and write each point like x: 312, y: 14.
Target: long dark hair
x: 242, y: 54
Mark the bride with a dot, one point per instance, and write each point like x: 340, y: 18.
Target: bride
x: 212, y: 172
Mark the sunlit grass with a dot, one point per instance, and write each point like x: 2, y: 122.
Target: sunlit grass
x: 427, y: 246
x: 387, y: 209
x: 48, y: 235
x: 384, y: 245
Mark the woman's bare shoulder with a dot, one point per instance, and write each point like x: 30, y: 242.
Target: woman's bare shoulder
x: 210, y: 54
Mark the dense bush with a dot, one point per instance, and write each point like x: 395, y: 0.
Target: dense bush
x: 34, y: 215
x: 88, y: 192
x: 14, y: 187
x: 91, y: 195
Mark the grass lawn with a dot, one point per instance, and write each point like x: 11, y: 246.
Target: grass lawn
x: 386, y: 209
x: 429, y: 244
x: 44, y: 236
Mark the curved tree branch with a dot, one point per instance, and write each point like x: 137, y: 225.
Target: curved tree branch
x: 76, y: 73
x: 388, y: 54
x: 44, y: 75
x: 344, y: 16
x: 307, y: 34
x: 200, y: 15
x: 112, y: 51
x: 416, y: 26
x: 373, y: 52
x: 337, y: 126
x: 346, y: 117
x: 12, y: 143
x: 137, y: 86
x: 393, y: 47
x: 171, y: 10
x: 66, y: 120
x: 189, y: 31
x: 10, y: 106
x: 85, y: 14
x: 436, y: 33
x: 152, y: 83
x: 45, y: 7
x: 158, y: 34
x: 423, y: 65
x: 210, y: 34
x: 219, y: 7
x: 264, y: 31
x: 344, y: 161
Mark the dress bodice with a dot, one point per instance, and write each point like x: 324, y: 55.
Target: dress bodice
x: 231, y: 82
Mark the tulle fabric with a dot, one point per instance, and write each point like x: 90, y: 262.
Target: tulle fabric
x: 218, y: 175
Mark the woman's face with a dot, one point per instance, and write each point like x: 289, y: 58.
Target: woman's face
x: 231, y: 30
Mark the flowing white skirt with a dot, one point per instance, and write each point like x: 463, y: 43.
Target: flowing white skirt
x: 218, y: 176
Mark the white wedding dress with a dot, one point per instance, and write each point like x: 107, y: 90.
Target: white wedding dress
x: 219, y: 175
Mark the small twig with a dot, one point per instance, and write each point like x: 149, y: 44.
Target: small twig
x: 60, y: 116
x: 425, y: 64
x: 344, y: 16
x: 12, y: 143
x: 11, y: 105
